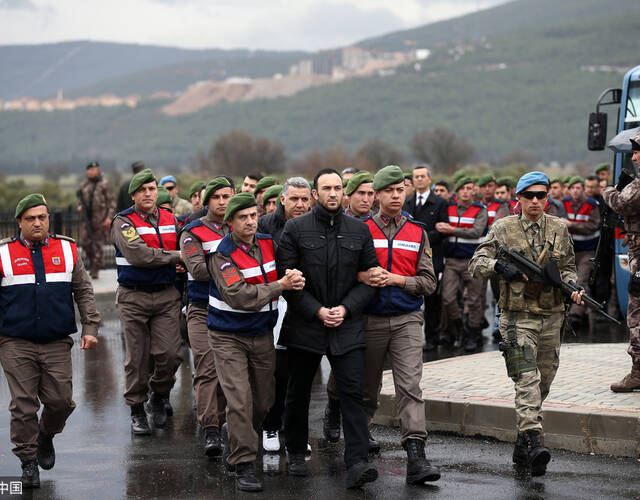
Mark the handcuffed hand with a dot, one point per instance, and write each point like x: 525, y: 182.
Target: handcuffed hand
x: 292, y: 280
x: 332, y: 317
x: 88, y: 342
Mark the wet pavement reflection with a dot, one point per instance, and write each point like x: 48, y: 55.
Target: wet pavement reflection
x: 97, y: 457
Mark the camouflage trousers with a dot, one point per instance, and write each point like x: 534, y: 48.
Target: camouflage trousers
x: 633, y: 309
x: 542, y: 334
x: 94, y: 248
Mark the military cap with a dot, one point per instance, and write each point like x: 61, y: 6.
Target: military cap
x: 93, y: 164
x: 601, y: 167
x: 344, y: 183
x: 30, y: 201
x: 167, y: 178
x: 239, y: 202
x: 271, y: 192
x: 265, y: 182
x: 504, y: 180
x: 196, y: 187
x: 556, y: 179
x: 531, y: 179
x: 357, y: 179
x: 141, y: 178
x: 214, y: 184
x: 567, y: 179
x: 391, y: 174
x: 485, y: 179
x: 635, y: 142
x: 163, y: 196
x: 462, y: 181
x: 575, y: 179
x: 458, y: 175
x: 408, y: 176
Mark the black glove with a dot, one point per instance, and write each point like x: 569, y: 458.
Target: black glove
x: 624, y: 180
x: 508, y: 271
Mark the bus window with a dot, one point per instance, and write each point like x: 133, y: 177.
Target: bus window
x: 633, y: 104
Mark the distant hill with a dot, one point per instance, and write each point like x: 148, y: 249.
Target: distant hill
x: 529, y: 88
x: 89, y: 68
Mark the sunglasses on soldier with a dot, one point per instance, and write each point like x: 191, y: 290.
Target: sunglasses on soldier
x: 530, y: 195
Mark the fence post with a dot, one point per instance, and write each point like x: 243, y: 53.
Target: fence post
x: 57, y: 222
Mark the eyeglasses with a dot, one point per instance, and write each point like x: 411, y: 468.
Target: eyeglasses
x: 530, y: 195
x: 169, y: 188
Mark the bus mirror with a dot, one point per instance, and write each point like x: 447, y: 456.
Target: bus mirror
x: 597, y: 139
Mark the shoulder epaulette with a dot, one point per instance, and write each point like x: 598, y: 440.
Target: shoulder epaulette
x: 226, y: 246
x: 477, y: 204
x: 192, y: 224
x: 62, y: 237
x: 4, y: 241
x: 592, y: 201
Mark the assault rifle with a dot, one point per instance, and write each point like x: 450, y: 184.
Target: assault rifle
x: 549, y: 275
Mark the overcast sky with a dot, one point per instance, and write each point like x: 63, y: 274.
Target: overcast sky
x: 256, y: 24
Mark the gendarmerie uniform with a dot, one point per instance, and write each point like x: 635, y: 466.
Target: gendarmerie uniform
x: 148, y: 302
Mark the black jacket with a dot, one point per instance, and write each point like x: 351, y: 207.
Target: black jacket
x: 433, y: 210
x: 273, y: 224
x: 330, y: 250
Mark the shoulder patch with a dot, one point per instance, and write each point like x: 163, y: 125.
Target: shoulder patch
x: 229, y: 273
x: 130, y: 233
x: 61, y: 237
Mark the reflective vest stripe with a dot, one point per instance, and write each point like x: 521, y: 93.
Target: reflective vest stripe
x: 400, y: 244
x: 586, y: 237
x: 252, y: 272
x: 223, y: 306
x: 22, y: 279
x: 472, y: 241
x: 211, y: 246
x: 121, y: 261
x: 5, y: 258
x: 460, y: 246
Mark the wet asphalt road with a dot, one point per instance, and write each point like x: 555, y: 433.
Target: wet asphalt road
x: 97, y: 457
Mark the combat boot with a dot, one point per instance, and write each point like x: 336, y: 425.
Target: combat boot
x: 359, y: 474
x: 331, y: 421
x: 419, y: 469
x: 473, y: 339
x: 30, y: 473
x: 246, y: 479
x: 139, y: 423
x: 630, y: 382
x: 46, y: 451
x: 538, y: 455
x: 158, y: 409
x: 296, y: 465
x: 212, y: 442
x: 520, y: 452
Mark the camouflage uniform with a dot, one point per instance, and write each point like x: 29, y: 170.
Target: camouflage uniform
x: 627, y: 203
x: 536, y: 322
x: 181, y: 206
x: 100, y: 199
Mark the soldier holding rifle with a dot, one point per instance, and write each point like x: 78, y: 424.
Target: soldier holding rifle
x: 533, y: 311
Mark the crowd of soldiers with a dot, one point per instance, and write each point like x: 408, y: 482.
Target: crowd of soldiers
x: 355, y: 266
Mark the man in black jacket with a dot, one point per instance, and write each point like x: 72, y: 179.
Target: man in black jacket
x: 330, y: 248
x: 429, y: 209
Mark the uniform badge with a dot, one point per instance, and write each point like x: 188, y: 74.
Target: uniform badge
x: 55, y: 260
x: 428, y: 251
x: 21, y: 261
x: 216, y: 226
x: 130, y: 233
x: 229, y: 273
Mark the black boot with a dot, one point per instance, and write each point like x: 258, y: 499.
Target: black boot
x: 331, y: 421
x: 539, y: 456
x: 473, y: 339
x: 212, y: 442
x: 224, y: 434
x: 30, y: 473
x: 46, y: 452
x: 246, y: 479
x: 419, y: 469
x: 296, y: 465
x: 520, y: 451
x: 158, y: 409
x: 374, y: 446
x: 167, y: 406
x: 361, y: 473
x: 139, y: 424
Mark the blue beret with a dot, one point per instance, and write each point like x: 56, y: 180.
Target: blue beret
x: 167, y: 178
x: 531, y: 179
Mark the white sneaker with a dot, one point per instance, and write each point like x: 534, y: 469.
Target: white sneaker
x: 271, y: 463
x: 270, y: 441
x: 308, y: 448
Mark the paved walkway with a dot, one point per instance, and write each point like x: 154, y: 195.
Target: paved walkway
x: 473, y: 395
x: 106, y: 283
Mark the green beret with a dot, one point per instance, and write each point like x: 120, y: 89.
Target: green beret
x: 462, y: 181
x: 239, y: 202
x: 575, y: 179
x: 214, y: 184
x: 391, y: 174
x: 344, y: 183
x: 93, y: 164
x: 485, y: 179
x: 556, y: 179
x: 265, y: 182
x: 408, y: 176
x: 196, y: 187
x: 458, y: 175
x: 601, y: 167
x: 141, y: 178
x: 30, y: 201
x: 163, y: 196
x: 271, y: 192
x: 357, y: 179
x: 567, y: 178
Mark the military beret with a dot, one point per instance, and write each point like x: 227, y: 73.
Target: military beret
x: 167, y: 178
x: 214, y: 184
x: 271, y: 192
x: 485, y: 179
x: 344, y: 183
x: 163, y: 196
x: 556, y: 179
x: 504, y: 180
x: 196, y: 187
x: 462, y: 181
x: 93, y: 164
x: 239, y: 202
x: 391, y: 174
x: 531, y: 179
x: 30, y: 201
x: 601, y: 167
x: 567, y: 179
x: 357, y: 179
x: 408, y: 176
x: 265, y: 182
x: 575, y: 179
x: 141, y: 178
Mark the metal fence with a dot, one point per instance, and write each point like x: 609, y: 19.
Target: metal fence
x: 66, y: 222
